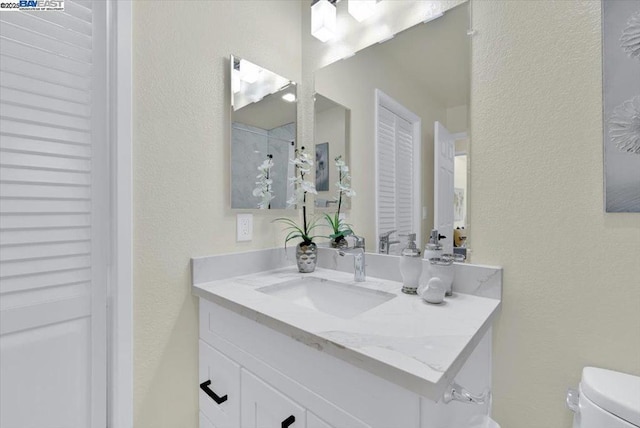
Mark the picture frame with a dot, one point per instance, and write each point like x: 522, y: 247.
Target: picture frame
x: 322, y: 167
x: 621, y: 105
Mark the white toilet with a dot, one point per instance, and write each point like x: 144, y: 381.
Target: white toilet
x: 606, y: 399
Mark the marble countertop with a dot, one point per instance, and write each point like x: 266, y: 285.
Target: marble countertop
x: 405, y: 340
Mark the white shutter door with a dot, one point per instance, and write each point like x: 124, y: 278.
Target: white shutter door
x: 53, y: 214
x: 444, y: 165
x: 386, y: 173
x: 395, y: 173
x: 404, y: 177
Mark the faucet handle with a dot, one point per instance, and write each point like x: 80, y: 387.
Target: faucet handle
x: 358, y: 241
x: 386, y: 235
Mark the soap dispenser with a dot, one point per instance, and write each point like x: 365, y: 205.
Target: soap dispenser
x: 410, y: 266
x: 433, y: 249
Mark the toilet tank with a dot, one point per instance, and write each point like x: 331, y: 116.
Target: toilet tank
x: 607, y: 399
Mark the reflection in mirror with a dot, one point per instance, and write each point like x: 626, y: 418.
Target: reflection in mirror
x: 399, y: 92
x: 332, y: 131
x: 263, y: 133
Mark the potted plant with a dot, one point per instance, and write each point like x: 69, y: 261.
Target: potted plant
x: 339, y: 227
x: 306, y: 250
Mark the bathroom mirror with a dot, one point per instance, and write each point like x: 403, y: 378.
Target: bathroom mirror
x: 332, y: 130
x: 408, y: 99
x: 263, y: 129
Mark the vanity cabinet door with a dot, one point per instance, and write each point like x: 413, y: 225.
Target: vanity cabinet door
x: 264, y: 407
x: 315, y: 422
x: 205, y: 422
x: 219, y: 388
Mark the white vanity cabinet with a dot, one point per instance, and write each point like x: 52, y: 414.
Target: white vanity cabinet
x: 261, y: 378
x: 263, y: 406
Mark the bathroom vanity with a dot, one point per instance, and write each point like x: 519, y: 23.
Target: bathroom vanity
x: 284, y: 349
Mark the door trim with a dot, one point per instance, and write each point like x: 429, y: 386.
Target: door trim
x: 120, y: 297
x: 384, y: 100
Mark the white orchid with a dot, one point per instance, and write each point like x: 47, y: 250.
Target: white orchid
x: 266, y: 165
x: 302, y: 187
x: 340, y: 228
x: 263, y: 188
x: 345, y: 189
x: 302, y: 163
x: 341, y: 165
x: 344, y: 180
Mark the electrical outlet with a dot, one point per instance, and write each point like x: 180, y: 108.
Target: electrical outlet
x: 244, y: 227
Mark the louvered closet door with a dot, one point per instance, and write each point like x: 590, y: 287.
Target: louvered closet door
x: 53, y: 217
x: 386, y: 176
x: 395, y: 173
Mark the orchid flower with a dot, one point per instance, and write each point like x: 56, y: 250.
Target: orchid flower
x: 302, y: 163
x: 264, y: 183
x: 340, y: 228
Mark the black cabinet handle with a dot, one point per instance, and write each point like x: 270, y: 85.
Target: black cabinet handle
x: 205, y: 387
x: 288, y: 422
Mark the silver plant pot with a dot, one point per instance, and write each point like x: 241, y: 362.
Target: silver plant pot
x: 306, y: 257
x: 340, y: 243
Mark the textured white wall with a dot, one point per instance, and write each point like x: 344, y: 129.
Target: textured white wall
x: 458, y: 119
x: 181, y: 134
x: 571, y: 272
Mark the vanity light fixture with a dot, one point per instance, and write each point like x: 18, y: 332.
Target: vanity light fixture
x: 235, y: 81
x: 249, y: 72
x: 323, y: 19
x: 362, y: 9
x: 289, y: 97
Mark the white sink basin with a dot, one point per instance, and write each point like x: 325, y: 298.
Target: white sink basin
x: 330, y: 297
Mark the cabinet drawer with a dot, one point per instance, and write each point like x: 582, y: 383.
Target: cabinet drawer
x: 315, y: 422
x: 219, y: 394
x: 205, y: 422
x: 264, y: 407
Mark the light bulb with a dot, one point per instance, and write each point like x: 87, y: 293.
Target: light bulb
x: 323, y: 20
x: 362, y: 9
x: 289, y: 97
x: 249, y: 72
x: 235, y: 81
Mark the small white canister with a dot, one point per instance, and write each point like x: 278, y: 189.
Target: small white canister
x: 441, y: 268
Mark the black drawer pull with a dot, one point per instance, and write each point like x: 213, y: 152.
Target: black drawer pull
x: 288, y: 422
x: 205, y: 387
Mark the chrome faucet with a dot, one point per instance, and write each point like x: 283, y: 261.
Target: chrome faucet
x: 359, y: 274
x: 385, y: 243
